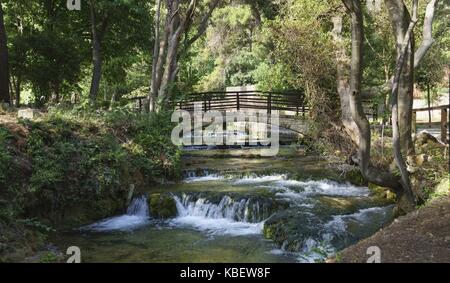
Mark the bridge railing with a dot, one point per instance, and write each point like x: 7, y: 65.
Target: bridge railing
x: 443, y: 123
x: 246, y: 100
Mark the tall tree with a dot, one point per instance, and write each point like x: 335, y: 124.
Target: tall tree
x: 350, y: 72
x: 98, y: 29
x: 4, y: 65
x: 399, y: 17
x: 178, y: 22
x: 400, y: 84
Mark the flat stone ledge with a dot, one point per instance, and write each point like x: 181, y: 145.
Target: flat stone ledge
x: 28, y: 113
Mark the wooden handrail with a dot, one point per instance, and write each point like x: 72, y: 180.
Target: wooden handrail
x: 431, y: 108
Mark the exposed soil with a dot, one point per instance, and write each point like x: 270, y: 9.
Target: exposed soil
x: 420, y: 236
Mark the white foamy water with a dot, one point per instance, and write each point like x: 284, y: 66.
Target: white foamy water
x: 137, y: 216
x: 218, y: 226
x: 289, y: 188
x: 259, y: 179
x: 319, y: 248
x: 229, y: 217
x: 338, y: 224
x: 322, y: 187
x: 211, y: 177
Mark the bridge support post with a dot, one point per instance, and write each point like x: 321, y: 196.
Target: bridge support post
x: 238, y: 106
x: 444, y: 124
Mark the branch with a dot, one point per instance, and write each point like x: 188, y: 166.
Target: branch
x: 187, y: 20
x: 203, y: 25
x: 427, y: 40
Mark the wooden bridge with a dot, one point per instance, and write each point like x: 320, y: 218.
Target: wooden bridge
x: 291, y: 103
x: 292, y: 107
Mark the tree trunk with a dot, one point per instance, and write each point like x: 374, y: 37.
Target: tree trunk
x: 401, y: 93
x: 4, y: 65
x: 429, y: 105
x: 350, y: 126
x: 97, y: 36
x: 165, y: 69
x: 175, y: 30
x: 156, y: 52
x: 370, y: 173
x: 400, y: 20
x: 403, y: 61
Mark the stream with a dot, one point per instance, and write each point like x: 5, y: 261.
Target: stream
x: 238, y: 209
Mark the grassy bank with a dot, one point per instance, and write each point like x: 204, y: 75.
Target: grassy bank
x: 71, y: 167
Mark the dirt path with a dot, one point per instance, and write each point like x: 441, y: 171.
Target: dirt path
x: 420, y: 236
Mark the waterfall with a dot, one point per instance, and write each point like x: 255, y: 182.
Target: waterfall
x: 137, y: 216
x: 138, y: 207
x: 235, y: 217
x: 244, y: 210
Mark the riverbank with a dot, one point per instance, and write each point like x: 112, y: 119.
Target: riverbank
x: 68, y: 168
x: 418, y: 237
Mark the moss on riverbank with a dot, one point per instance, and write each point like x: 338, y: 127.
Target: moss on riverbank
x: 70, y: 168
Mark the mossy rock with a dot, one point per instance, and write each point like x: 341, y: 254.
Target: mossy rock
x: 162, y: 206
x: 381, y: 192
x: 289, y: 229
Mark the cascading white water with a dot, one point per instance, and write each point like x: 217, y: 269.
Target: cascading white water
x: 226, y: 217
x: 316, y: 249
x: 138, y: 207
x: 206, y: 175
x: 137, y: 216
x: 243, y: 210
x: 285, y: 188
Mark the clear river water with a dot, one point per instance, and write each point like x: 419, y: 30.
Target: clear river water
x: 239, y: 209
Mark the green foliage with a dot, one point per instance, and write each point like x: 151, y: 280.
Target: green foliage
x: 5, y: 156
x: 122, y: 140
x: 240, y: 69
x: 50, y: 48
x: 48, y: 257
x: 34, y: 223
x: 272, y: 77
x: 431, y: 72
x: 83, y: 161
